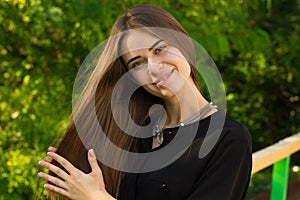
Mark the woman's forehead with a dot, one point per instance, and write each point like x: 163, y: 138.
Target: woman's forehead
x: 135, y: 40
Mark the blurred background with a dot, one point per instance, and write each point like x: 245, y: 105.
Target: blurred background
x: 255, y: 44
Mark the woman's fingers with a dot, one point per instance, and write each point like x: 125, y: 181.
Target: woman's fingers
x: 74, y: 183
x: 55, y: 180
x: 52, y: 149
x: 65, y: 163
x: 58, y: 171
x: 48, y: 159
x: 57, y: 190
x: 93, y: 161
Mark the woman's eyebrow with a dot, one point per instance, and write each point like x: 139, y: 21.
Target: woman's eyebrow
x: 132, y: 59
x: 136, y: 57
x: 156, y: 43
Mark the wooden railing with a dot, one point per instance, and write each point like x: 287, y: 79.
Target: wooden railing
x: 277, y: 155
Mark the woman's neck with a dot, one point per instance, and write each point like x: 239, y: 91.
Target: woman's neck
x: 184, y: 104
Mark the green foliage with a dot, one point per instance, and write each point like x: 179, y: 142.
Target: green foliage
x: 42, y: 44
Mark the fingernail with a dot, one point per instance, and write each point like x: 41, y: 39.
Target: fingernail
x: 40, y: 174
x: 50, y: 154
x: 47, y: 186
x: 42, y: 163
x: 92, y: 153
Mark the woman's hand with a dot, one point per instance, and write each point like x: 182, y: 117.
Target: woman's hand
x: 76, y: 185
x: 50, y: 149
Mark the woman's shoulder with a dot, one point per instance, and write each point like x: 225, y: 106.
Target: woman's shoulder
x: 223, y: 134
x: 235, y: 130
x: 220, y: 126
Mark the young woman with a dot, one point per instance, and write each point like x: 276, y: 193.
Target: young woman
x: 186, y: 151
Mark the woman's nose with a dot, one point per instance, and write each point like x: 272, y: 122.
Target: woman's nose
x: 153, y: 67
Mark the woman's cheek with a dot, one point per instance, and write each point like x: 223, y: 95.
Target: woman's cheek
x: 141, y: 77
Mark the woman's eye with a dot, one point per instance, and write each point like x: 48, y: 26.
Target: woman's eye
x: 159, y: 49
x: 137, y: 64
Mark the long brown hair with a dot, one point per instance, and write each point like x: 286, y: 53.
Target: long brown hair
x: 99, y: 88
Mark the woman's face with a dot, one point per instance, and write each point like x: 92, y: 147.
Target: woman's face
x: 159, y: 67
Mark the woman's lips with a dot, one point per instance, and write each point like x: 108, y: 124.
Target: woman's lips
x: 164, y: 78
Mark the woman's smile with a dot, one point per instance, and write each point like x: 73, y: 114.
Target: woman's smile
x: 163, y: 78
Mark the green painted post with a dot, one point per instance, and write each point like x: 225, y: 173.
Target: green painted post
x: 280, y: 175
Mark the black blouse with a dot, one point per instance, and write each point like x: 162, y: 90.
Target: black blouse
x: 223, y: 174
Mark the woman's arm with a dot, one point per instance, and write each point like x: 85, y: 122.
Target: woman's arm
x: 76, y: 185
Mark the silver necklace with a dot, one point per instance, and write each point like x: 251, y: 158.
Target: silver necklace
x: 157, y: 132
